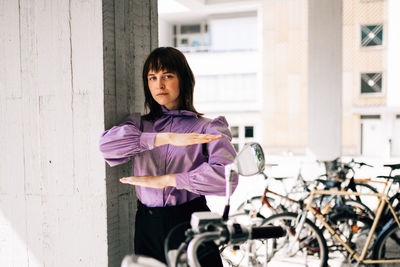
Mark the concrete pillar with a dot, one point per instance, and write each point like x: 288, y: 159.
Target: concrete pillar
x: 68, y: 70
x: 52, y: 186
x: 325, y: 78
x: 130, y: 33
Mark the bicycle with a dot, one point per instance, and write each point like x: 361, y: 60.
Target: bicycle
x: 236, y: 255
x: 296, y: 223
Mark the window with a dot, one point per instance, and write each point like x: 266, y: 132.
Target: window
x: 242, y: 135
x: 234, y: 33
x: 371, y: 83
x: 212, y: 88
x: 371, y: 35
x: 195, y: 28
x: 249, y: 131
x: 235, y: 131
x: 370, y: 117
x: 191, y: 37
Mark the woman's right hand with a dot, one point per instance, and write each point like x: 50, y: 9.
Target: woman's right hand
x: 183, y: 139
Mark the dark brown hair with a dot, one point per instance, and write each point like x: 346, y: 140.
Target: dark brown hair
x: 171, y: 60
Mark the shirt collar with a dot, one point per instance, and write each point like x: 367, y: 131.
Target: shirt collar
x: 177, y: 112
x: 162, y: 122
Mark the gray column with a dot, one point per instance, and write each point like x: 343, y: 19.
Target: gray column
x: 325, y: 78
x: 130, y: 33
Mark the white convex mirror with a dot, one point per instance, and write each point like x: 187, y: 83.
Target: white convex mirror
x: 250, y: 160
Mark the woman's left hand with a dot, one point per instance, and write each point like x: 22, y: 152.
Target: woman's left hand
x: 161, y: 181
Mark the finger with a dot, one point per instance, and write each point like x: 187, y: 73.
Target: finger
x: 208, y: 137
x: 130, y: 180
x: 125, y: 180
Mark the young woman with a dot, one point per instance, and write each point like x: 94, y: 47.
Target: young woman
x: 179, y: 156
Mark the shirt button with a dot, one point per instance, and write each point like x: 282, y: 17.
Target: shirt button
x: 150, y: 212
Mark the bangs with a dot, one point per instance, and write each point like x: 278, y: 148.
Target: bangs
x: 163, y: 62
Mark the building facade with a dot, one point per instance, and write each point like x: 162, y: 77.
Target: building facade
x: 251, y: 60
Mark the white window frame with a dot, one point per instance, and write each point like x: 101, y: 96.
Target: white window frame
x: 372, y: 47
x: 241, y: 140
x: 377, y: 94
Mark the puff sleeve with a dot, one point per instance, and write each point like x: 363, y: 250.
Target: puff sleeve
x: 209, y: 177
x: 120, y: 143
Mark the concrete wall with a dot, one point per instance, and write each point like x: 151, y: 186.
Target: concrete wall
x: 130, y: 33
x: 325, y: 78
x: 59, y: 204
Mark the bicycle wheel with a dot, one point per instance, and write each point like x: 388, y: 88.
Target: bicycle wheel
x: 255, y: 208
x: 359, y: 207
x: 352, y: 228
x: 309, y: 249
x: 388, y: 245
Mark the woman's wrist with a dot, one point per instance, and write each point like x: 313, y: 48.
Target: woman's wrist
x: 171, y: 180
x: 162, y: 139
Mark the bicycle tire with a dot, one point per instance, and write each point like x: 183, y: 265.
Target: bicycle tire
x: 359, y: 207
x: 387, y: 245
x: 254, y: 204
x: 311, y: 244
x: 353, y: 228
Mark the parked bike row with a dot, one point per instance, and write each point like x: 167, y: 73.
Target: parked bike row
x: 313, y: 222
x: 325, y: 218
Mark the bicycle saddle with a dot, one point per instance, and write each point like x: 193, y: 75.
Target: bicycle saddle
x: 392, y: 166
x: 395, y: 178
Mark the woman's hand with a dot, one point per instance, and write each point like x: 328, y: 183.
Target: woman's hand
x: 161, y: 181
x: 186, y: 139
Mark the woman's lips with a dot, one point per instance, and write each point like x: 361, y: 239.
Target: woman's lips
x: 161, y: 94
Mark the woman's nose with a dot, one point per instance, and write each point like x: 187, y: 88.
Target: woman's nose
x: 161, y: 84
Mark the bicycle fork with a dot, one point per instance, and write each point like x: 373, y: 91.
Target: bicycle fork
x: 299, y: 226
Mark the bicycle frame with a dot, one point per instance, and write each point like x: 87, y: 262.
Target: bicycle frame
x: 353, y: 253
x: 264, y: 199
x: 323, y: 209
x: 369, y: 180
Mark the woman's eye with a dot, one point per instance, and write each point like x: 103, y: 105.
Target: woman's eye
x: 152, y: 78
x: 169, y: 77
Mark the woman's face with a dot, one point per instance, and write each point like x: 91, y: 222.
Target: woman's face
x: 164, y: 87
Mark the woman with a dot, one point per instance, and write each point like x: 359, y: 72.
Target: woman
x: 179, y: 156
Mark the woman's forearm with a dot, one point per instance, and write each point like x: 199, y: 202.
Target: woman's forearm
x: 161, y: 181
x: 183, y: 139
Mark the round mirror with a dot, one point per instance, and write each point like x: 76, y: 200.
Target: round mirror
x: 250, y: 159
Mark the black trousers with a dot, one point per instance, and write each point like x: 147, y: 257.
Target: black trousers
x: 153, y: 225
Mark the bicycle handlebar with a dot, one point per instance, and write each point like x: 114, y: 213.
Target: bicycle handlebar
x: 230, y: 234
x: 266, y: 232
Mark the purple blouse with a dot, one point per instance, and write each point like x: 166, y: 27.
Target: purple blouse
x: 199, y: 169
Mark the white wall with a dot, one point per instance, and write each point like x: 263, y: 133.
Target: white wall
x: 52, y: 178
x: 226, y: 81
x: 393, y: 54
x: 230, y: 34
x: 164, y: 33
